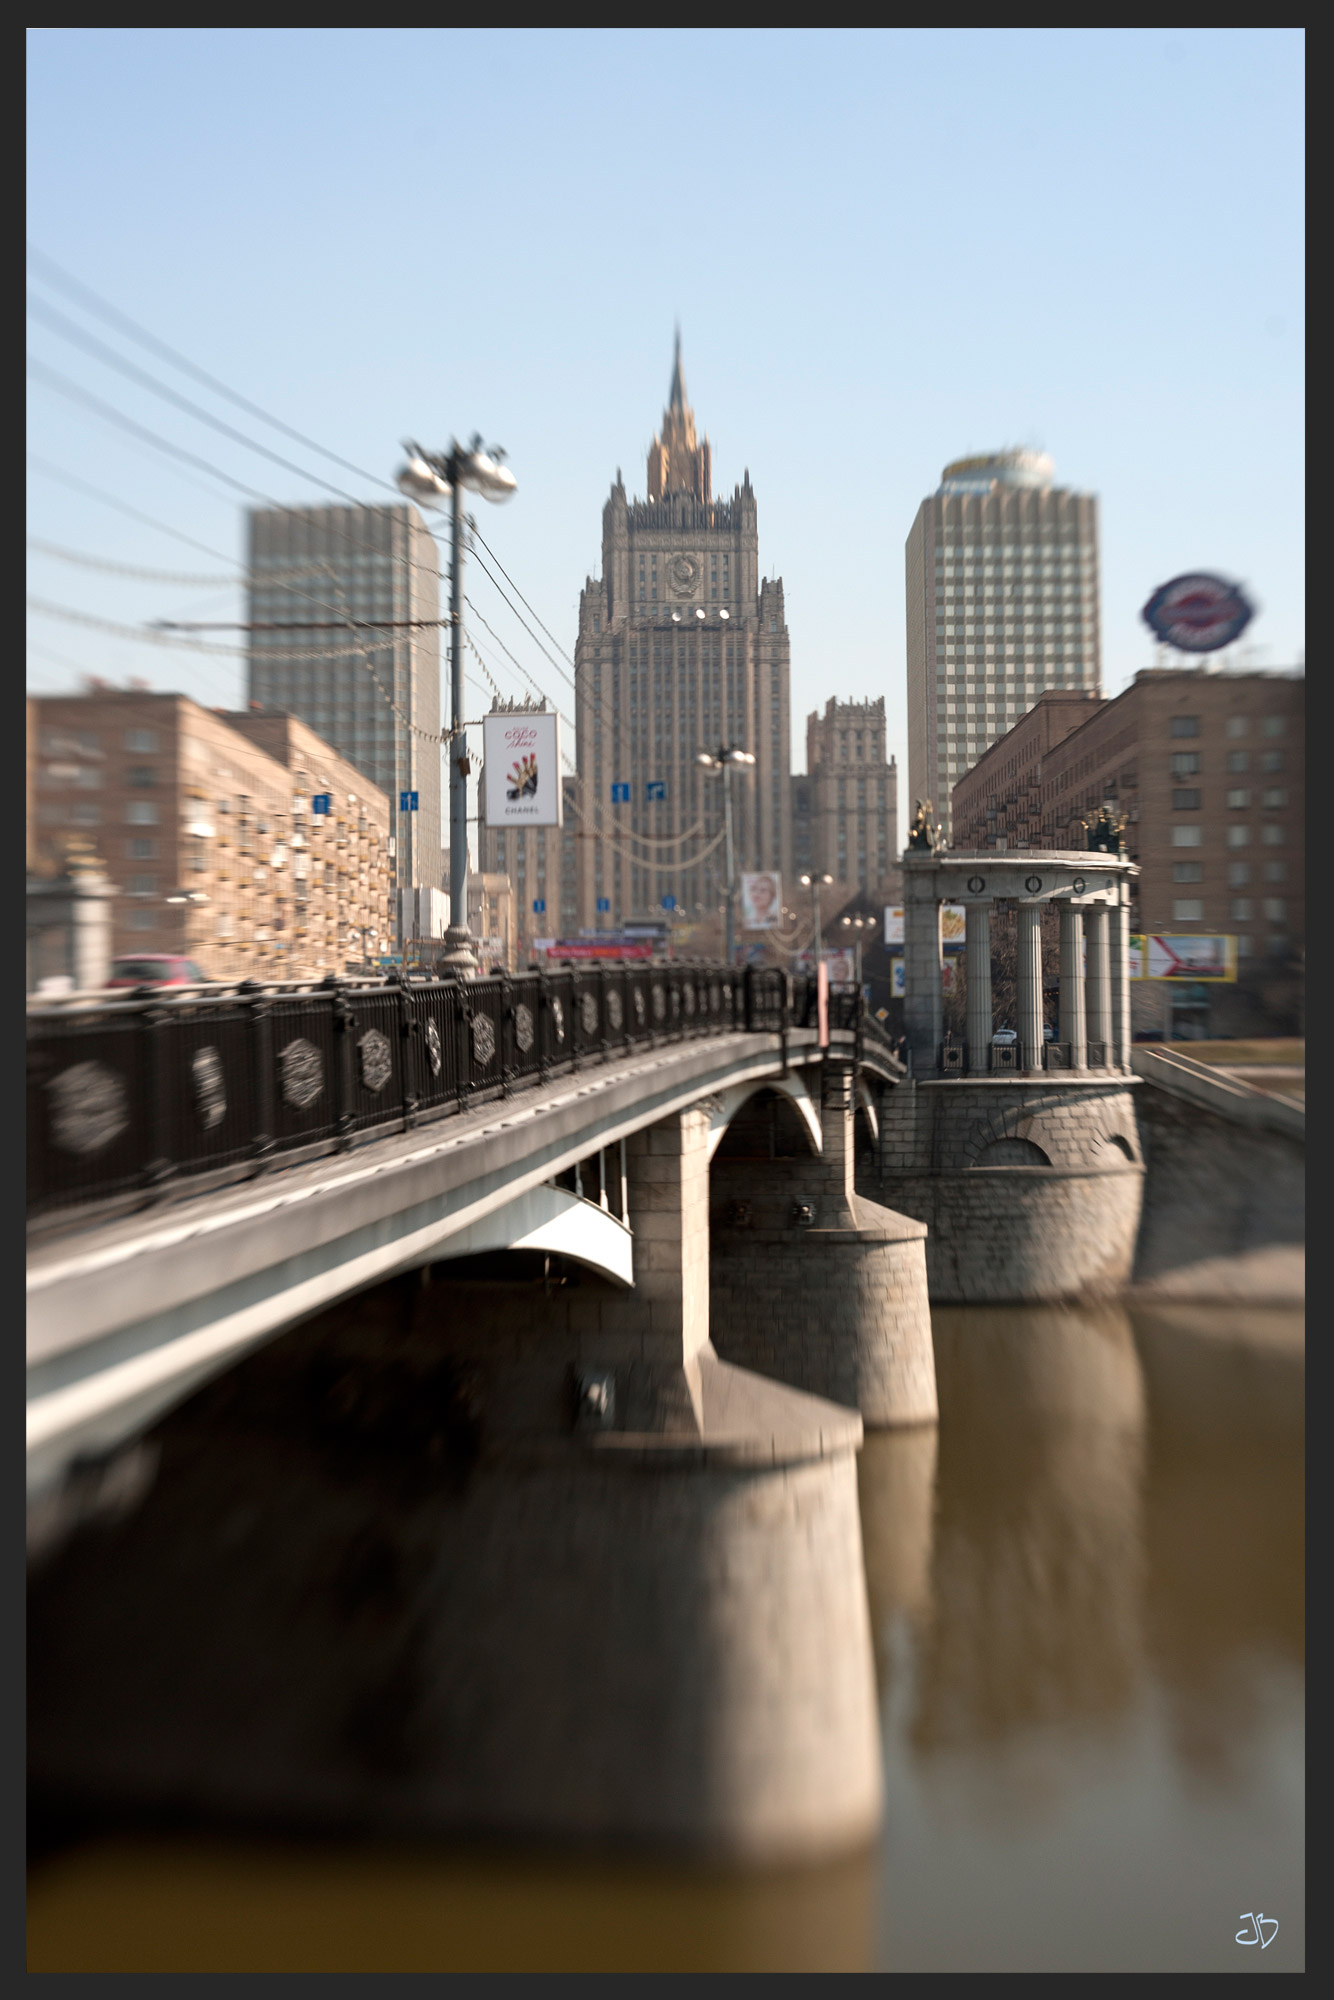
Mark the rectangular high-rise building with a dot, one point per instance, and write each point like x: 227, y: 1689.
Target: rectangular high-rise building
x: 344, y: 605
x: 853, y: 795
x: 682, y: 647
x: 1002, y: 605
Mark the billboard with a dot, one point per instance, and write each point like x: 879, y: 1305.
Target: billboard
x: 897, y: 984
x: 521, y: 755
x: 761, y: 901
x: 1205, y: 960
x: 1198, y: 612
x: 952, y: 926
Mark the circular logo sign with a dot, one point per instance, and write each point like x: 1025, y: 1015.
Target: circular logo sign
x: 1032, y: 883
x: 1198, y: 612
x: 976, y: 885
x: 1078, y: 886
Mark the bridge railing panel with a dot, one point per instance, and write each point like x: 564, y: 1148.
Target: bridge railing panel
x: 483, y: 1003
x: 378, y: 1083
x: 301, y: 1065
x: 435, y: 1046
x: 523, y: 1058
x: 203, y: 1083
x: 88, y: 1109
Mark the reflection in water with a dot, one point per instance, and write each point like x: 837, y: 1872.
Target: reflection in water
x: 1224, y: 1521
x: 234, y: 1906
x: 1086, y: 1596
x: 1036, y: 1578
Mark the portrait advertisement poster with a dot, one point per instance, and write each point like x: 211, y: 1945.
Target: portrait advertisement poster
x: 952, y: 926
x: 521, y: 756
x: 761, y: 902
x: 948, y: 972
x: 893, y: 924
x: 898, y: 986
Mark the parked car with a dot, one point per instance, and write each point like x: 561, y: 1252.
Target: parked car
x: 155, y: 969
x: 1149, y: 1035
x: 1004, y: 1038
x: 1048, y: 1032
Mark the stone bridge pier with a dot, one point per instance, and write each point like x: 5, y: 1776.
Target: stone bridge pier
x: 502, y: 1546
x: 812, y: 1283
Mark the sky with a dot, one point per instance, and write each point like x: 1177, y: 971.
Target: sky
x: 884, y: 250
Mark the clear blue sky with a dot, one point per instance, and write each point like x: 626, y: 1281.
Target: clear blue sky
x: 884, y: 249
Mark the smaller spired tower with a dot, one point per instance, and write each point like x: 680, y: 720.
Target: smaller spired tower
x: 677, y: 462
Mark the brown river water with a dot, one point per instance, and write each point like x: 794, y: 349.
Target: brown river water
x: 1087, y: 1597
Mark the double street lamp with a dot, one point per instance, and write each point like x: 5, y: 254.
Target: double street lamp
x: 431, y: 479
x: 722, y: 759
x: 858, y: 924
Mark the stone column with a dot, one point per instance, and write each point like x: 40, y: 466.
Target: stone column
x: 1120, y: 971
x: 977, y: 919
x: 811, y: 1283
x: 1072, y: 986
x: 1029, y: 984
x: 921, y: 971
x: 1099, y: 981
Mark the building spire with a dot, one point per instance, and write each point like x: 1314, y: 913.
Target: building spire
x: 676, y: 396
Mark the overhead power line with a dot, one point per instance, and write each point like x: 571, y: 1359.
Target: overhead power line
x: 114, y: 317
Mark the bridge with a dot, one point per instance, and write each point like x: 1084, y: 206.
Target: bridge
x: 444, y: 1397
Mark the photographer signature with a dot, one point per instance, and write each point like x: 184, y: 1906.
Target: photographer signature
x: 1259, y: 1919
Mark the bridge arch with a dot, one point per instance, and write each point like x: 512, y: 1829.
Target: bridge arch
x: 725, y: 1105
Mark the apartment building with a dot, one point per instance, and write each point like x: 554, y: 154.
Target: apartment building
x: 203, y: 820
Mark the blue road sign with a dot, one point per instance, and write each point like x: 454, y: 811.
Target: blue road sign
x: 322, y: 802
x: 656, y: 788
x: 669, y: 902
x: 620, y: 795
x: 539, y: 904
x: 407, y: 802
x: 604, y: 903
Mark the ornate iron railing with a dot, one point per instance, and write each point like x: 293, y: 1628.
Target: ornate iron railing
x: 132, y: 1096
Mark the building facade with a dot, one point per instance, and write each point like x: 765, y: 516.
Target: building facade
x: 682, y: 646
x: 1002, y: 604
x: 853, y: 795
x: 203, y: 822
x: 344, y: 603
x: 1207, y: 768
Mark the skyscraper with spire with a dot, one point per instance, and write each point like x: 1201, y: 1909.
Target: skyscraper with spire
x: 681, y: 646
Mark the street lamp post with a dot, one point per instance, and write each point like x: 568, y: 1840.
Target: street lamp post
x: 814, y: 884
x: 431, y: 478
x: 722, y: 759
x: 858, y: 924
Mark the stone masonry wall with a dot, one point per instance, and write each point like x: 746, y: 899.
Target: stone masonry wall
x: 1030, y: 1190
x: 1213, y: 1188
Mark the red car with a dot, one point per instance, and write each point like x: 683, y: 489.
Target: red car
x: 155, y: 969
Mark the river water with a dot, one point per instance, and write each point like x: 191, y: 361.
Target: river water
x: 1087, y: 1597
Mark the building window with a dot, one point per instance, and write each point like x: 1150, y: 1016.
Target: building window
x: 141, y: 920
x: 1185, y: 763
x: 1185, y: 801
x: 1243, y: 909
x: 1276, y: 910
x: 84, y: 813
x: 1187, y: 910
x: 1238, y: 798
x: 1275, y: 795
x: 1272, y: 836
x: 1238, y: 725
x: 1188, y: 871
x: 1187, y: 836
x: 1275, y: 725
x: 143, y: 850
x: 143, y: 776
x: 1185, y: 725
x: 1238, y: 836
x: 1239, y: 760
x: 143, y: 885
x: 141, y: 739
x: 1276, y: 871
x: 1272, y: 760
x: 141, y: 812
x: 1238, y: 874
